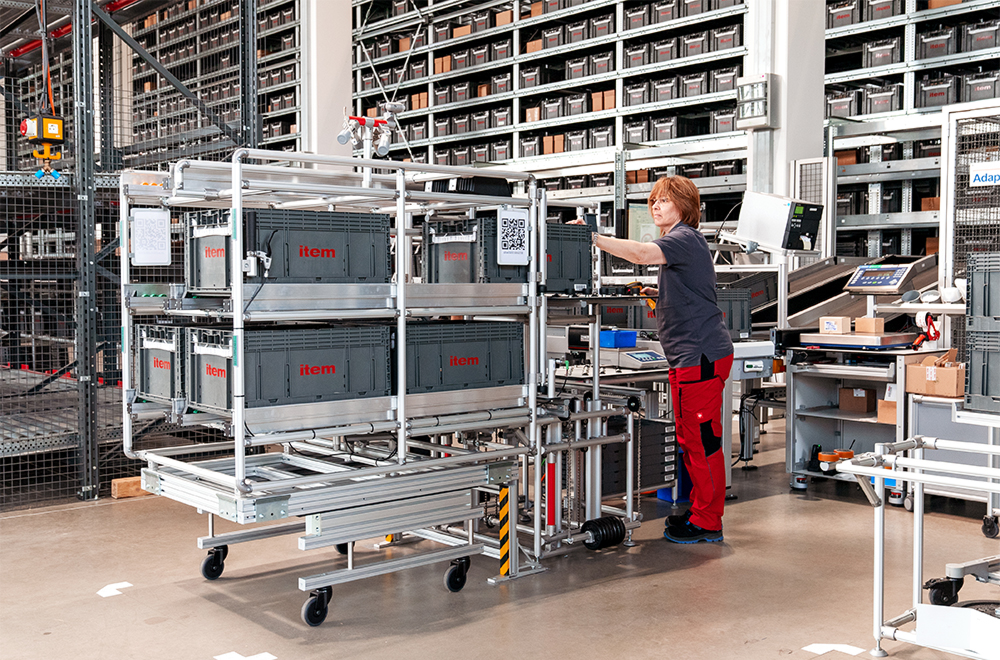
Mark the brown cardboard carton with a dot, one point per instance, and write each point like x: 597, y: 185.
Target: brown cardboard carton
x: 415, y: 102
x: 936, y: 4
x: 835, y: 325
x: 932, y: 245
x: 857, y: 399
x: 849, y: 157
x: 532, y: 114
x: 930, y: 204
x: 424, y: 99
x: 461, y: 31
x: 559, y: 143
x: 372, y: 112
x: 504, y: 17
x: 937, y: 376
x: 404, y: 44
x: 547, y: 145
x: 596, y: 101
x: 537, y: 8
x: 609, y: 99
x: 484, y: 90
x: 867, y: 325
x: 886, y: 412
x: 534, y: 46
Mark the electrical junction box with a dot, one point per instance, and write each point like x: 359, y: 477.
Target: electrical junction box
x: 773, y: 221
x: 755, y: 101
x: 43, y: 128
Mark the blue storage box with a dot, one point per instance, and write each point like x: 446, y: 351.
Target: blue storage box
x: 618, y: 338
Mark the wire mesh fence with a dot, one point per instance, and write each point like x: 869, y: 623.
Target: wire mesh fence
x: 977, y: 209
x: 141, y: 120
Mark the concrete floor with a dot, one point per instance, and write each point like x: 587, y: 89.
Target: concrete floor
x: 795, y: 569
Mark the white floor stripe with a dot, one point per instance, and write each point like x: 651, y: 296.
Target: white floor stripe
x: 820, y: 649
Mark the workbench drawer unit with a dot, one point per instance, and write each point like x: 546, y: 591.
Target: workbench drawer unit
x: 443, y: 357
x: 655, y: 455
x: 288, y: 366
x: 305, y: 247
x: 159, y: 362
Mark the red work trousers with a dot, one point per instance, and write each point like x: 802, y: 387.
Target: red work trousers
x: 697, y: 398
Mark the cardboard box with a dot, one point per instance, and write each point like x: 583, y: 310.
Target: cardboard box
x: 442, y: 64
x: 537, y: 8
x: 534, y: 46
x: 835, y: 325
x: 404, y: 44
x: 554, y: 144
x: 424, y: 99
x: 504, y: 17
x: 609, y: 99
x: 596, y: 101
x: 225, y: 16
x: 637, y: 176
x: 930, y: 204
x: 857, y: 399
x: 484, y: 90
x: 371, y: 112
x: 867, y: 325
x: 936, y: 4
x: 532, y: 114
x: 886, y: 412
x: 932, y: 245
x: 415, y: 102
x: 849, y: 157
x: 937, y: 376
x: 461, y: 31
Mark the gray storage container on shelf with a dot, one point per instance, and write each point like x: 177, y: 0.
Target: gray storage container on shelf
x: 443, y: 357
x: 982, y: 372
x: 464, y: 251
x: 568, y: 259
x: 328, y: 247
x: 288, y: 366
x: 735, y: 306
x: 159, y: 362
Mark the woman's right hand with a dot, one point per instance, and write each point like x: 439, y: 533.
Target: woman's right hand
x: 650, y: 291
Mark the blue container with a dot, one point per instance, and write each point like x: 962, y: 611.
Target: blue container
x: 683, y: 484
x: 618, y: 338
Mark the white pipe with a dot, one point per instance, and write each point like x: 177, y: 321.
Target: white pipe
x: 534, y: 361
x: 938, y: 443
x: 932, y: 479
x: 943, y: 466
x: 401, y: 272
x: 878, y: 600
x: 126, y: 347
x: 918, y: 534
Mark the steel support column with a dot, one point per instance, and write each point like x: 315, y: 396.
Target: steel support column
x: 110, y: 160
x: 249, y: 115
x: 85, y: 185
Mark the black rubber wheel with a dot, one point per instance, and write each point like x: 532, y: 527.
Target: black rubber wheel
x: 991, y: 528
x: 212, y: 566
x: 225, y: 551
x: 942, y: 597
x: 908, y: 503
x: 454, y: 579
x: 314, y: 612
x: 341, y: 548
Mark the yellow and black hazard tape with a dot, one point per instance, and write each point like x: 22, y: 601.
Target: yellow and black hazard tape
x: 505, y: 531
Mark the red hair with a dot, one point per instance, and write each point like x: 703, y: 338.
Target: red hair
x: 683, y: 193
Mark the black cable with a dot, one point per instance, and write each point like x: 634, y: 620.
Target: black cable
x: 268, y: 253
x: 724, y: 220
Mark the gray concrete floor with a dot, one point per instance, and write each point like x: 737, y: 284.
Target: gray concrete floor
x: 795, y: 569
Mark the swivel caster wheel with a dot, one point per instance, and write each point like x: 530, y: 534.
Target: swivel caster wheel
x: 316, y: 608
x: 213, y: 565
x: 456, y: 575
x: 991, y: 527
x: 943, y: 591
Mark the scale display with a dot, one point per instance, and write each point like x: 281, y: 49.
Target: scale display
x: 633, y: 359
x: 880, y: 279
x: 646, y: 356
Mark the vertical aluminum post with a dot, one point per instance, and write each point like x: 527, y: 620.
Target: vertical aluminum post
x: 126, y: 347
x: 879, y: 581
x: 402, y: 244
x: 918, y: 531
x: 236, y: 265
x: 536, y: 243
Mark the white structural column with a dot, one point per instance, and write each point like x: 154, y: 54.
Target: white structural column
x: 786, y: 38
x: 326, y: 74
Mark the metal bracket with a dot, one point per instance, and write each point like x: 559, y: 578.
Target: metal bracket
x: 501, y: 473
x: 150, y: 481
x: 227, y: 507
x: 271, y: 508
x: 130, y: 395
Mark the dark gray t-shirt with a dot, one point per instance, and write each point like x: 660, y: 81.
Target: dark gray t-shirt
x: 688, y: 319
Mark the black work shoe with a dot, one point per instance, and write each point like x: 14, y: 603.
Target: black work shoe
x: 679, y: 519
x: 688, y: 533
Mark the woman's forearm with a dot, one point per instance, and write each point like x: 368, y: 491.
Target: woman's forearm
x: 634, y: 251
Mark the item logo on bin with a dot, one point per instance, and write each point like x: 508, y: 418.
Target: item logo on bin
x: 323, y: 253
x: 160, y: 364
x: 841, y: 17
x: 212, y: 253
x: 456, y: 256
x: 615, y: 310
x: 462, y: 362
x: 214, y: 371
x: 315, y: 370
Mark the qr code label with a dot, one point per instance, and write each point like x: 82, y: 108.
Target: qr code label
x: 150, y: 237
x: 512, y: 238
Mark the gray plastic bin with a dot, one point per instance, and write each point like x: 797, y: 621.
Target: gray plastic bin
x: 159, y: 362
x: 288, y: 366
x: 982, y: 372
x: 568, y: 259
x: 735, y: 306
x: 443, y: 357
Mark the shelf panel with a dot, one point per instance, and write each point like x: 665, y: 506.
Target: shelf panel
x: 889, y: 220
x: 965, y: 7
x: 907, y: 67
x: 831, y: 412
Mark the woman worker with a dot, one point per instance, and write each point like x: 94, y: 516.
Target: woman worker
x: 696, y: 343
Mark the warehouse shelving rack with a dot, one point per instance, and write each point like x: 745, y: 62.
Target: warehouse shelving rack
x: 425, y: 486
x: 519, y: 30
x: 896, y: 147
